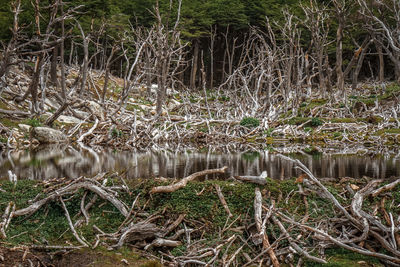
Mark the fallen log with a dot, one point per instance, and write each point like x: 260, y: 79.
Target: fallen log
x: 15, y: 112
x: 261, y: 180
x: 182, y: 183
x: 261, y: 227
x: 68, y: 190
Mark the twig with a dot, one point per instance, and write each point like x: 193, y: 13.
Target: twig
x: 223, y: 201
x: 71, y: 225
x: 294, y: 245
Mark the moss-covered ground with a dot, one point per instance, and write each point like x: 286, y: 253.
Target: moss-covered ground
x: 198, y: 200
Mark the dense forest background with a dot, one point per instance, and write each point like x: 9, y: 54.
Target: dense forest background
x: 215, y: 29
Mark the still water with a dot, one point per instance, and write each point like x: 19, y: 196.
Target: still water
x: 57, y: 162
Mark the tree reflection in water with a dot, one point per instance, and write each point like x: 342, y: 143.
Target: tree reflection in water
x: 66, y: 161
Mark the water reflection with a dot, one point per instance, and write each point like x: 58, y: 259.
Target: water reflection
x: 52, y: 162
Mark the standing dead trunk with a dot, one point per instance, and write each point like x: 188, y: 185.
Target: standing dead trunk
x: 7, y: 55
x: 33, y: 87
x: 339, y: 53
x: 149, y: 77
x: 85, y: 64
x: 195, y: 63
x: 62, y: 52
x: 107, y: 75
x: 71, y: 53
x: 212, y: 41
x: 381, y: 62
x: 53, y: 66
x: 161, y: 90
x: 359, y: 65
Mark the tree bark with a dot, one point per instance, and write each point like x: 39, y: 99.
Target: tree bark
x: 358, y: 68
x: 339, y: 54
x: 53, y: 66
x: 62, y: 51
x: 194, y: 64
x: 381, y: 62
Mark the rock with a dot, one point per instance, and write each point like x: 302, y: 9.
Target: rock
x: 96, y: 109
x: 48, y: 135
x: 81, y: 113
x: 173, y: 104
x: 25, y: 128
x: 51, y: 104
x: 68, y: 119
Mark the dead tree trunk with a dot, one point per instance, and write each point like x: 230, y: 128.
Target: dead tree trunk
x: 62, y: 52
x: 195, y: 63
x: 212, y: 41
x: 85, y: 64
x: 9, y: 51
x: 53, y: 66
x: 381, y: 62
x: 340, y: 7
x: 358, y: 67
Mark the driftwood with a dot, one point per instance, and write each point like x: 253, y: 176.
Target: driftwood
x: 261, y: 180
x: 138, y: 232
x: 15, y: 113
x: 7, y: 216
x: 182, y: 183
x: 88, y: 184
x: 160, y: 242
x: 261, y: 227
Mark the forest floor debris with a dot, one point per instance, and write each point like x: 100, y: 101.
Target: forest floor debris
x: 369, y: 117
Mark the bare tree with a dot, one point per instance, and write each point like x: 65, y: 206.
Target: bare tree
x: 166, y: 45
x: 317, y: 23
x: 341, y: 8
x: 11, y: 48
x: 383, y: 19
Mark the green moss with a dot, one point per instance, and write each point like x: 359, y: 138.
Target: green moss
x: 198, y: 200
x: 305, y: 108
x: 9, y: 123
x: 297, y: 120
x: 315, y: 122
x: 342, y: 258
x: 133, y: 107
x: 388, y: 131
x: 250, y: 122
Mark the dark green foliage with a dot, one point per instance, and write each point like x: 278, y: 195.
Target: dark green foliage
x: 33, y: 122
x: 115, y: 133
x: 315, y: 122
x: 250, y: 122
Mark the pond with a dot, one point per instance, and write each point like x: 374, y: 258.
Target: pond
x: 56, y: 162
